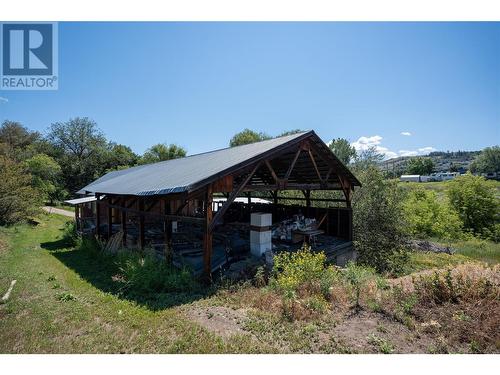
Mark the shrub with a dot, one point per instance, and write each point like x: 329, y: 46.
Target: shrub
x: 379, y: 223
x: 476, y: 202
x: 70, y: 235
x: 143, y: 275
x: 427, y: 217
x: 357, y: 277
x: 18, y: 200
x: 292, y: 270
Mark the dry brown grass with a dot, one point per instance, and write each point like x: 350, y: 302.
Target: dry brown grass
x: 461, y: 305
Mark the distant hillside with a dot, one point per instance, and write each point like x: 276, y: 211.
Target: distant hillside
x: 443, y: 161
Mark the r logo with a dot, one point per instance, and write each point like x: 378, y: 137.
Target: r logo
x: 29, y: 56
x: 27, y: 49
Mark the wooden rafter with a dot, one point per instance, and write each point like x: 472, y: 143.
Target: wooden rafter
x: 311, y: 156
x: 273, y: 173
x: 221, y: 211
x: 290, y: 168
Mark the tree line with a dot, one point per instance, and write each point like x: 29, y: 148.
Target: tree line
x: 36, y: 168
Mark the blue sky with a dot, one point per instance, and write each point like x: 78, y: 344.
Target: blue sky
x: 196, y: 84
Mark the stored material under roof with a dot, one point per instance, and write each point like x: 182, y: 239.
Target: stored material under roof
x: 184, y: 174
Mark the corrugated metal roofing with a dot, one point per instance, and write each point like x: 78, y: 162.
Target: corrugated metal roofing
x: 180, y: 175
x: 81, y: 200
x: 177, y: 175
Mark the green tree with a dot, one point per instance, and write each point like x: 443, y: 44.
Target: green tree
x: 80, y: 148
x: 15, y: 138
x: 343, y: 150
x: 419, y: 165
x: 379, y: 224
x: 290, y: 132
x: 45, y: 172
x: 161, y: 152
x: 247, y: 136
x: 120, y: 157
x: 476, y: 202
x: 427, y: 217
x: 487, y: 161
x: 18, y: 199
x: 367, y: 159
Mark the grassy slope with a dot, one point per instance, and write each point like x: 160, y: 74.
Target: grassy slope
x: 34, y: 320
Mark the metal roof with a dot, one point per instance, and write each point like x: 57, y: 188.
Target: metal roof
x: 181, y: 175
x: 81, y: 200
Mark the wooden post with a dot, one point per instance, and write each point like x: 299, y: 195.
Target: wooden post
x: 349, y: 221
x: 124, y: 222
x: 307, y: 194
x: 110, y: 219
x: 275, y: 204
x: 77, y: 217
x: 98, y: 215
x: 167, y: 227
x: 207, y: 238
x: 141, y: 224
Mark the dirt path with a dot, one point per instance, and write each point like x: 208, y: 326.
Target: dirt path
x: 59, y: 211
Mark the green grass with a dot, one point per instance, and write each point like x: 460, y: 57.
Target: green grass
x: 68, y: 300
x: 441, y: 187
x: 466, y: 251
x: 64, y: 302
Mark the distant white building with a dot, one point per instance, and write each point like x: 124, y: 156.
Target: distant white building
x: 412, y: 178
x: 443, y: 176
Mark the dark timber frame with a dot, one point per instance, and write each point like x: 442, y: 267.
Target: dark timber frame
x: 305, y: 164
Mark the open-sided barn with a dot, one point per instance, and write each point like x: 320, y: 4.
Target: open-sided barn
x: 169, y: 206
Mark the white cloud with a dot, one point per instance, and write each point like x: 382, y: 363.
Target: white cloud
x: 408, y: 153
x: 407, y: 134
x: 4, y: 100
x: 426, y: 150
x: 365, y: 143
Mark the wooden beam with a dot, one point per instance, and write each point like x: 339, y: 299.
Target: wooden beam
x: 311, y: 156
x: 273, y: 173
x: 328, y: 174
x: 293, y: 187
x: 170, y: 217
x: 290, y: 168
x: 314, y: 199
x: 207, y: 237
x: 220, y: 212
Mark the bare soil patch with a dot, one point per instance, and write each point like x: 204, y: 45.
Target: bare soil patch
x: 361, y: 332
x: 221, y: 320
